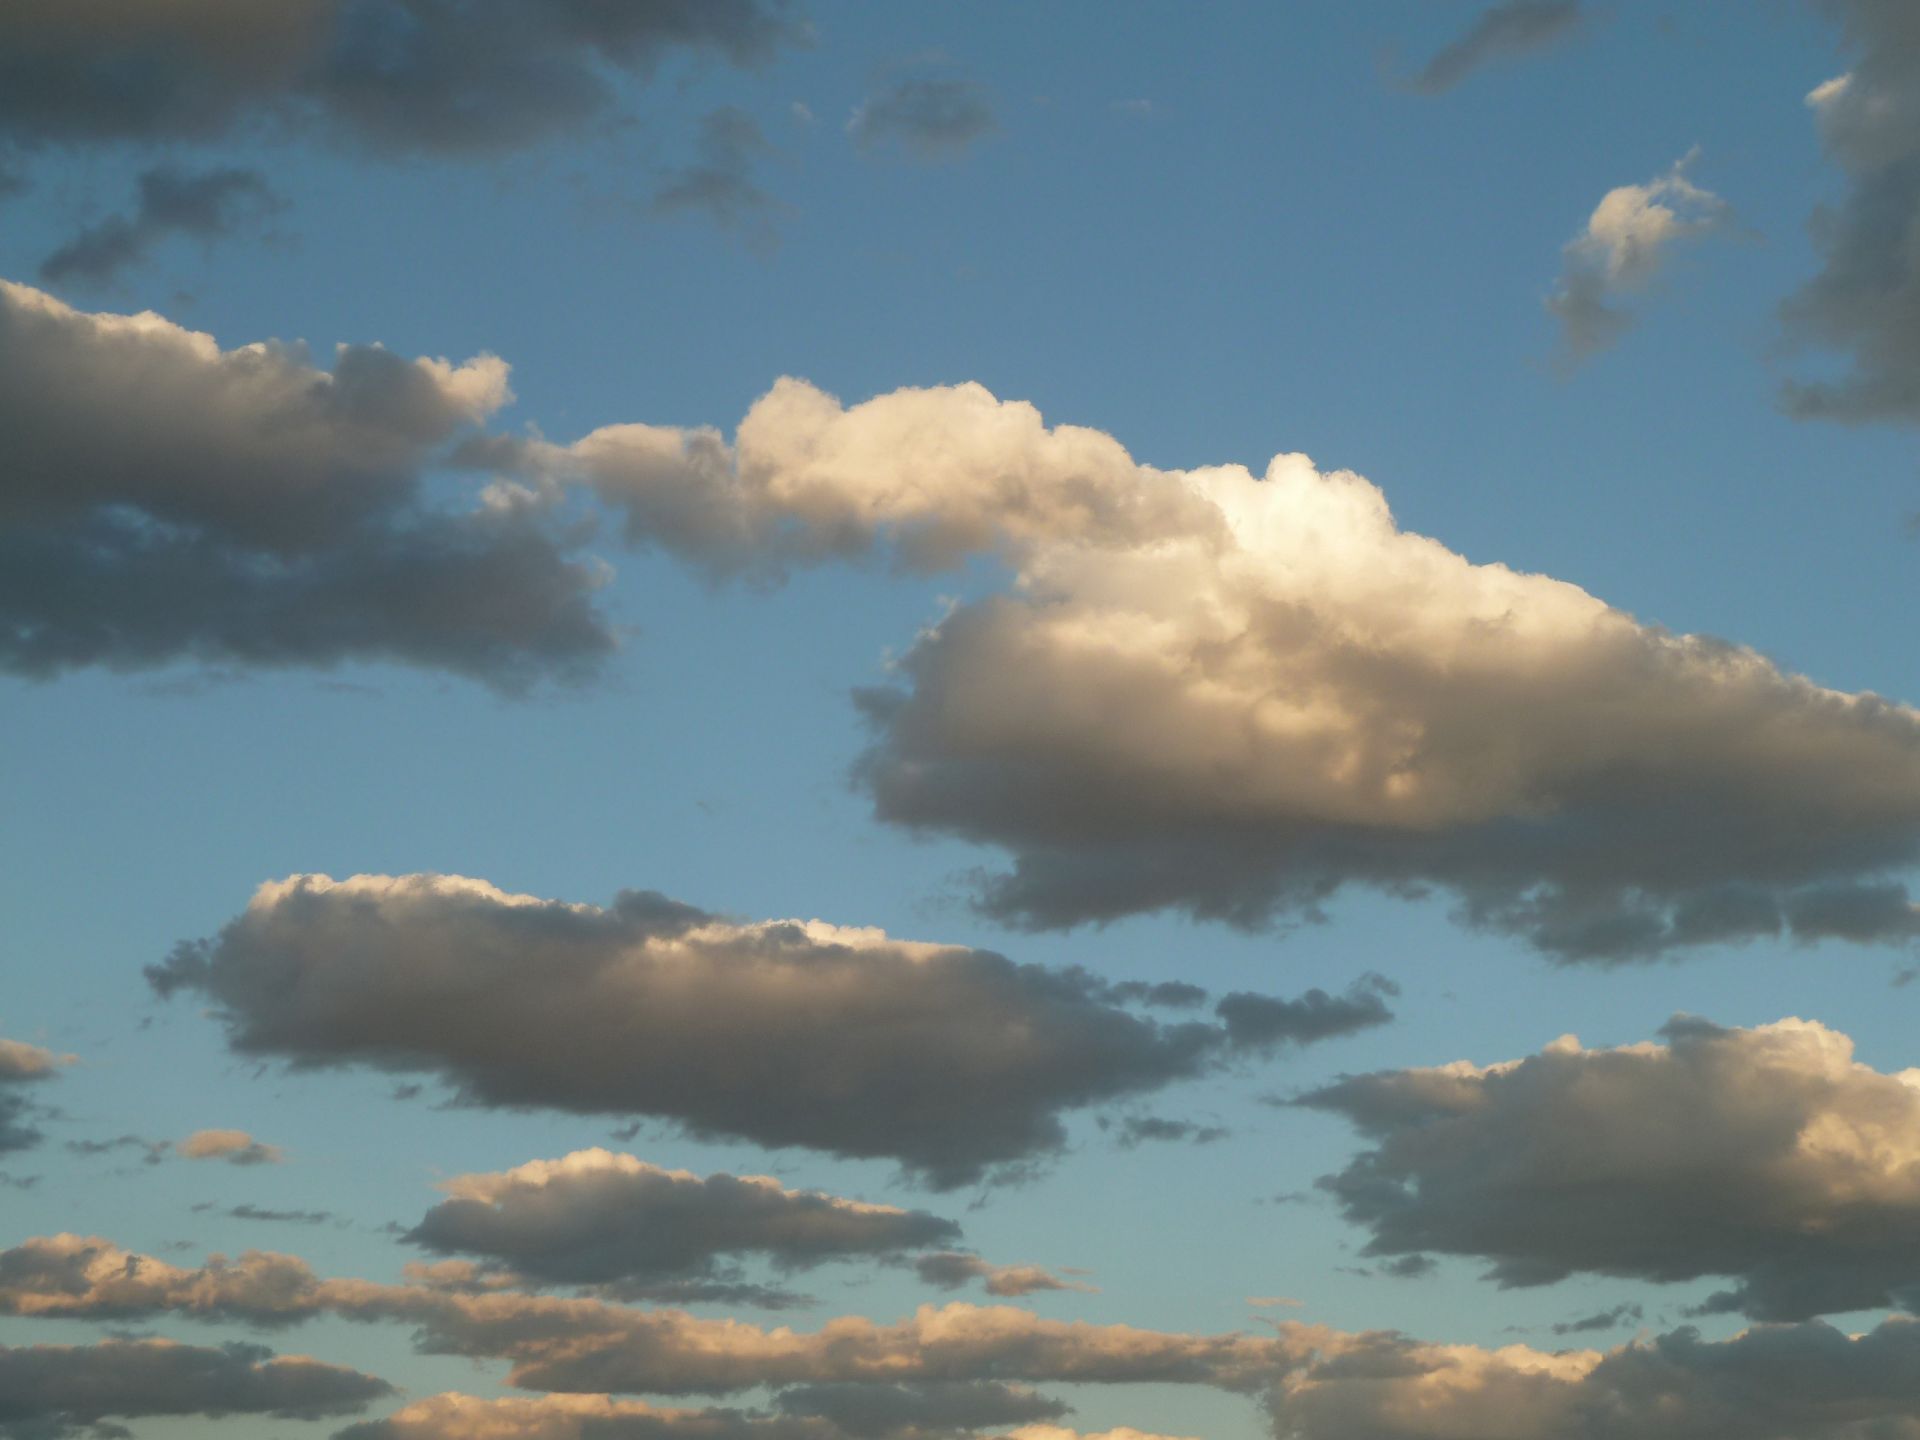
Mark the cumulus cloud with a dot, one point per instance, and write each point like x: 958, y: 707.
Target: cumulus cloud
x: 784, y: 1032
x: 1621, y: 251
x: 1770, y: 1156
x: 50, y: 1391
x: 204, y: 205
x: 21, y: 1066
x: 1865, y: 302
x: 1235, y: 694
x: 458, y: 77
x: 926, y: 117
x: 589, y: 1345
x: 598, y: 1218
x: 1506, y: 31
x: 950, y: 1269
x: 163, y: 499
x: 236, y: 1147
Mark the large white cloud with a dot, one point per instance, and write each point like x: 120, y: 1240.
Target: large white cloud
x: 786, y: 1032
x: 1770, y: 1156
x: 1234, y: 693
x: 164, y: 499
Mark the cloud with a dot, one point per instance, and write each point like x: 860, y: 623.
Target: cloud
x: 867, y: 1412
x: 575, y: 1417
x: 205, y: 205
x: 1236, y: 694
x: 1622, y: 250
x: 595, y: 1218
x: 1798, y: 1382
x: 50, y: 1391
x: 784, y: 1032
x: 449, y: 77
x: 592, y: 1346
x: 1865, y: 302
x: 1133, y: 1131
x: 1506, y: 31
x: 1770, y: 1156
x: 162, y: 499
x: 719, y: 183
x: 926, y: 117
x: 950, y: 1269
x: 236, y: 1147
x: 1604, y: 1320
x: 23, y: 1065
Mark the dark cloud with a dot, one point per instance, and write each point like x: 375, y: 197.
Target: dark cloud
x: 873, y: 1412
x: 1261, y: 1022
x: 1503, y: 32
x: 1133, y: 1131
x: 594, y: 1218
x: 454, y: 77
x: 1769, y: 1156
x: 164, y: 500
x: 278, y: 1217
x: 719, y: 184
x: 205, y: 205
x: 928, y: 117
x: 1603, y: 1320
x: 785, y: 1033
x: 1865, y: 302
x: 951, y: 1269
x: 49, y: 1391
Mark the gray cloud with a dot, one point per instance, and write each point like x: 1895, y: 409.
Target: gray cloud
x: 21, y: 1066
x: 205, y: 205
x: 928, y: 117
x: 1865, y: 302
x: 786, y: 1033
x: 719, y: 182
x: 595, y: 1218
x: 950, y: 1269
x: 1503, y: 32
x: 871, y: 1412
x: 1777, y: 1160
x: 1133, y: 1131
x: 1603, y: 1320
x: 454, y: 77
x: 162, y: 499
x: 1621, y: 250
x: 49, y: 1391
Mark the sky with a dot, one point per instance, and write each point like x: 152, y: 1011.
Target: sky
x: 832, y: 721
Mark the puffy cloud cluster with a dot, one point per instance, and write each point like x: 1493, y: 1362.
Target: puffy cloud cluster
x: 1234, y: 694
x: 50, y: 1391
x: 1509, y: 30
x: 23, y: 1065
x: 1622, y: 249
x: 783, y: 1032
x: 440, y: 76
x: 1865, y: 302
x: 164, y: 499
x: 597, y: 1218
x: 1768, y: 1155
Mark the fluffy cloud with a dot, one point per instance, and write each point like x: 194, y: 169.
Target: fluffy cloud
x: 1234, y: 694
x: 205, y: 205
x: 1768, y: 1155
x: 49, y: 1391
x: 1798, y: 1382
x: 784, y: 1032
x: 597, y: 1218
x: 23, y: 1065
x: 1865, y: 302
x: 928, y: 117
x: 236, y: 1147
x: 1622, y: 249
x: 163, y: 499
x: 1503, y: 32
x: 445, y: 76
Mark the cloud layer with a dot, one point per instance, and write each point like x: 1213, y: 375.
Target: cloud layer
x: 783, y: 1032
x: 1770, y: 1156
x: 162, y: 499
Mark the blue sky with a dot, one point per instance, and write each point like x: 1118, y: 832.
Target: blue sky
x: 1215, y: 234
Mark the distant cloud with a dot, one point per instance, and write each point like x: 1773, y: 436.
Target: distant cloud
x: 946, y: 1059
x: 1622, y: 249
x: 465, y: 77
x: 1603, y: 1320
x: 927, y: 117
x: 52, y: 1391
x: 1865, y: 302
x: 932, y: 1407
x: 162, y: 499
x: 950, y: 1269
x: 719, y: 183
x: 21, y: 1066
x: 597, y: 1218
x: 236, y: 1147
x: 1503, y: 32
x: 205, y: 205
x: 1133, y: 1131
x: 1778, y: 1161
